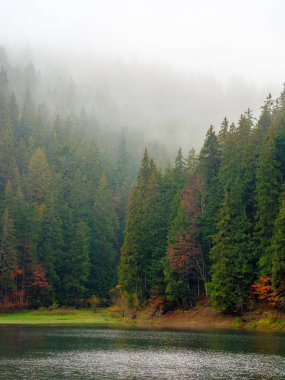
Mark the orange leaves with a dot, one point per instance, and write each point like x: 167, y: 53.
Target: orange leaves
x: 158, y: 305
x: 264, y: 291
x: 182, y: 253
x: 39, y: 277
x: 15, y: 273
x: 15, y: 301
x: 27, y: 283
x: 185, y: 253
x: 157, y: 302
x: 192, y: 199
x: 18, y: 271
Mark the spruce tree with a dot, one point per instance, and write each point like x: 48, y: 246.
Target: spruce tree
x: 267, y: 193
x: 231, y: 270
x: 76, y: 265
x: 185, y: 266
x: 8, y: 256
x: 208, y: 168
x: 39, y: 177
x: 139, y: 243
x: 277, y: 245
x: 103, y: 253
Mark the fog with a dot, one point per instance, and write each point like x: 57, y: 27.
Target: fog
x: 167, y: 68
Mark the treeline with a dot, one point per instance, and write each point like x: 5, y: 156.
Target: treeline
x: 63, y: 202
x: 214, y: 224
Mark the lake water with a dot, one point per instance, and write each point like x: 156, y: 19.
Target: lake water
x: 45, y: 352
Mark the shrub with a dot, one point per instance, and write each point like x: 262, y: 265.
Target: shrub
x: 158, y: 305
x: 93, y: 302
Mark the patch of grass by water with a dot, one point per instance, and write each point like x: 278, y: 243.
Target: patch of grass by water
x: 280, y: 323
x: 252, y: 325
x: 236, y: 323
x: 58, y: 316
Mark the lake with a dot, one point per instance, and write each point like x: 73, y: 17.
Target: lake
x: 77, y: 352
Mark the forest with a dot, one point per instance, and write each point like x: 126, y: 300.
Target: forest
x: 88, y: 212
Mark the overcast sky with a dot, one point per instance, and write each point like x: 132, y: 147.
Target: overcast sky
x: 218, y: 37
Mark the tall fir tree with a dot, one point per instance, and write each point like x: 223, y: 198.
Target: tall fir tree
x: 267, y: 193
x: 139, y: 243
x: 208, y: 168
x: 231, y: 271
x: 278, y: 246
x: 8, y: 256
x: 103, y: 253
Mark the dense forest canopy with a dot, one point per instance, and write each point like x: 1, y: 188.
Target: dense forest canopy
x: 64, y: 187
x: 212, y: 225
x: 80, y: 214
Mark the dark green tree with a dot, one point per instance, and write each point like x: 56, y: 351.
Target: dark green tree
x: 8, y: 256
x: 278, y: 246
x: 209, y: 166
x: 76, y: 265
x: 267, y: 192
x: 103, y: 254
x: 139, y: 243
x: 231, y: 270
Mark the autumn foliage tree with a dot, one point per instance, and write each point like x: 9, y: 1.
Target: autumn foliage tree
x: 264, y: 292
x: 40, y: 285
x: 185, y: 268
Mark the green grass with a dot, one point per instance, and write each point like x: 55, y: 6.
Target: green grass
x: 109, y: 316
x: 61, y: 316
x: 267, y: 323
x: 236, y: 323
x: 252, y: 325
x: 280, y: 323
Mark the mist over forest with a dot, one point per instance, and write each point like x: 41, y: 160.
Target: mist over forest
x: 159, y: 103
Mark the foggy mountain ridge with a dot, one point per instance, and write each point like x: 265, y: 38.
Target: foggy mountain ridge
x: 172, y: 107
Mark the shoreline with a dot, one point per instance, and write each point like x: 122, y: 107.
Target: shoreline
x: 201, y: 317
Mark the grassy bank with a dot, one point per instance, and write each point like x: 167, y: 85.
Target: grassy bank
x: 204, y: 317
x: 201, y: 317
x: 61, y: 316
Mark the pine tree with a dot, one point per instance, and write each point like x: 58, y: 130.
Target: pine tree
x: 209, y: 166
x: 50, y: 245
x: 191, y: 164
x: 14, y: 112
x: 233, y: 264
x: 231, y: 270
x: 3, y: 96
x: 139, y: 243
x: 39, y: 177
x: 76, y: 265
x: 179, y: 170
x: 8, y: 256
x: 28, y: 118
x: 277, y: 245
x: 265, y: 120
x: 103, y: 254
x: 267, y: 193
x: 79, y: 196
x: 7, y: 151
x: 160, y: 219
x: 223, y: 132
x: 122, y: 187
x: 185, y: 269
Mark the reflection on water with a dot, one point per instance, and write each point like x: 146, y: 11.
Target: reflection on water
x: 33, y: 352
